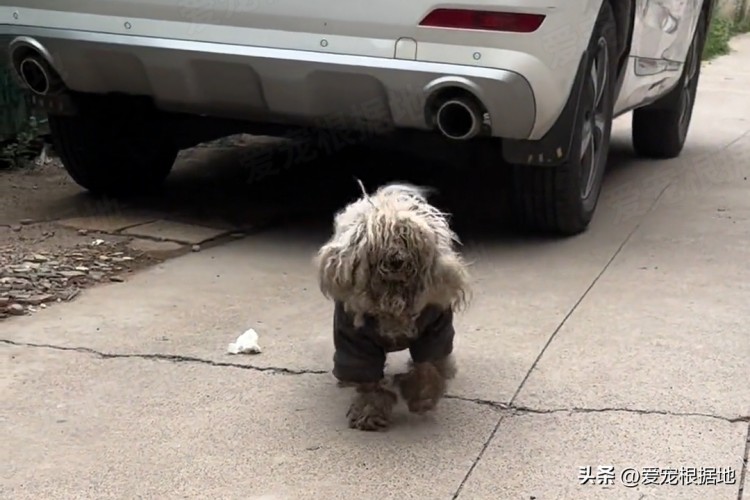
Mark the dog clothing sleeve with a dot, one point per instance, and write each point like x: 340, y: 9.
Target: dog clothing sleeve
x: 436, y: 334
x: 358, y: 358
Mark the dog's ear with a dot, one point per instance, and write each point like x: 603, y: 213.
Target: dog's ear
x: 450, y: 281
x: 338, y: 264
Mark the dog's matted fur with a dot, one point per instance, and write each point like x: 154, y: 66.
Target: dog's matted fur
x: 392, y: 270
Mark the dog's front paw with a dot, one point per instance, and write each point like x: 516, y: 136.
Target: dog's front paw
x: 422, y: 387
x: 371, y: 411
x: 421, y: 406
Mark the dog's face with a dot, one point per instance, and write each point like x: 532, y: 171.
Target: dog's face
x: 398, y: 260
x: 389, y: 252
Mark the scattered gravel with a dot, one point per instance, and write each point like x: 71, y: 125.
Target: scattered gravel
x: 30, y: 281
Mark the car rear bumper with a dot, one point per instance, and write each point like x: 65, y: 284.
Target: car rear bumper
x: 278, y: 86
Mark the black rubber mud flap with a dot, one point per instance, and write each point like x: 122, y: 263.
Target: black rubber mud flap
x: 554, y: 148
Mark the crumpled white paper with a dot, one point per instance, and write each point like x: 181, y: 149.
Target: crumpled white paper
x: 247, y: 343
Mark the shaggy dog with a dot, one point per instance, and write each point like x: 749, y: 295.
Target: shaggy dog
x: 395, y: 279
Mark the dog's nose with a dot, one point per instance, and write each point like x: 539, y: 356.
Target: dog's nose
x: 395, y: 263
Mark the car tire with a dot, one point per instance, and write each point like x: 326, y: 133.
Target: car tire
x: 113, y: 148
x: 659, y: 130
x: 562, y: 199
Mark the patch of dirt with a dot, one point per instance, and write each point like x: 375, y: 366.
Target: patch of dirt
x: 41, y: 191
x: 42, y: 264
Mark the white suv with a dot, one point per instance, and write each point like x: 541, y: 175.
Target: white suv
x: 127, y: 83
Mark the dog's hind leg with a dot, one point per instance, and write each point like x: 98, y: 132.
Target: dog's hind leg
x: 372, y: 407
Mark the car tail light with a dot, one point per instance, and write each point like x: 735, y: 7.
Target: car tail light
x: 483, y: 20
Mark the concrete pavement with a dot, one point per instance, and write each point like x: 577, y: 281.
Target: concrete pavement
x: 626, y: 347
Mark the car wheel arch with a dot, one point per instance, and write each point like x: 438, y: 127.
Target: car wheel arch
x: 553, y: 148
x: 625, y: 19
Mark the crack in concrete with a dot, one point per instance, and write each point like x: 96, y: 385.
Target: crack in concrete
x: 551, y: 338
x: 565, y: 319
x: 174, y: 358
x: 586, y: 293
x: 478, y: 459
x: 743, y: 472
x: 510, y: 407
x: 516, y: 409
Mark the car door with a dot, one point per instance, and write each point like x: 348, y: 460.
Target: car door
x: 662, y: 33
x: 663, y: 28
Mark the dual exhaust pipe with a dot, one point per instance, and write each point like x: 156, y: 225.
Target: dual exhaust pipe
x: 459, y: 117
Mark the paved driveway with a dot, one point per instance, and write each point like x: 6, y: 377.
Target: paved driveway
x: 622, y: 355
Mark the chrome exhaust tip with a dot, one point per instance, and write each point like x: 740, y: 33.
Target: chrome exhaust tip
x: 459, y: 118
x: 34, y: 75
x: 32, y: 65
